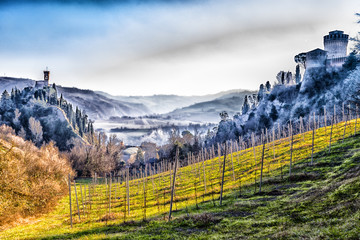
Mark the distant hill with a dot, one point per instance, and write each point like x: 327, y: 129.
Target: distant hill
x: 7, y: 83
x: 161, y: 104
x: 209, y: 110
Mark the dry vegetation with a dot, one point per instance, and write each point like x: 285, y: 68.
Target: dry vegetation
x: 31, y: 179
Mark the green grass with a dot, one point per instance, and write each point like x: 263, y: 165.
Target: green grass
x: 318, y: 201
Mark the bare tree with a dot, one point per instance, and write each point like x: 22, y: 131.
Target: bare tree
x: 36, y: 130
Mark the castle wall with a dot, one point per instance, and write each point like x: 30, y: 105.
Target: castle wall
x: 316, y: 58
x: 335, y: 62
x: 41, y: 84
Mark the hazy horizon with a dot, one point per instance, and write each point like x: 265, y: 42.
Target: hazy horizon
x: 144, y: 48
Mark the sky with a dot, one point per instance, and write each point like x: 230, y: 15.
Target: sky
x: 135, y: 47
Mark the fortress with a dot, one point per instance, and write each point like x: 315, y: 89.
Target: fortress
x: 333, y: 56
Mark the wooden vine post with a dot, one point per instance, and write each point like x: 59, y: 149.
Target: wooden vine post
x: 274, y: 153
x: 312, y: 144
x: 232, y: 160
x: 253, y: 145
x: 222, y: 178
x: 82, y: 200
x: 173, y: 182
x: 262, y: 165
x: 127, y: 190
x: 325, y: 118
x: 219, y: 154
x: 77, y: 201
x: 110, y: 193
x: 331, y: 131
x: 89, y: 196
x: 346, y: 119
x: 204, y: 172
x: 291, y: 148
x: 71, y: 222
x: 144, y: 189
x: 356, y: 118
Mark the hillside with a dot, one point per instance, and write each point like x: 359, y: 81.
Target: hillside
x: 318, y: 200
x: 40, y: 116
x: 321, y: 92
x: 98, y: 106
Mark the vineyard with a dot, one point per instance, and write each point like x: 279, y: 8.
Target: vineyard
x: 234, y: 169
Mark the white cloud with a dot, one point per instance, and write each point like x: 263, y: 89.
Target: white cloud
x: 193, y: 48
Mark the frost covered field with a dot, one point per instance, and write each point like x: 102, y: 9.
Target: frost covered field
x: 134, y: 131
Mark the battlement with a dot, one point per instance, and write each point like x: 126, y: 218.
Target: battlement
x: 336, y: 35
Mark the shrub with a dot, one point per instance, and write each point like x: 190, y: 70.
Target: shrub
x: 32, y: 179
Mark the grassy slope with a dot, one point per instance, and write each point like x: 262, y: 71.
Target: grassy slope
x: 317, y: 201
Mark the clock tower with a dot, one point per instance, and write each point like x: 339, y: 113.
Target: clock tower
x: 46, y: 76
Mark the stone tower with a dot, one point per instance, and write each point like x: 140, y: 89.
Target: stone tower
x: 43, y: 83
x: 335, y: 44
x: 46, y: 76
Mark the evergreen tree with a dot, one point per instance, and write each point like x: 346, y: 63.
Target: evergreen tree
x: 5, y: 95
x: 12, y: 94
x: 281, y: 77
x: 351, y: 61
x: 288, y: 78
x: 246, y: 105
x: 274, y: 113
x: 261, y: 92
x: 61, y: 101
x: 268, y: 86
x: 297, y: 74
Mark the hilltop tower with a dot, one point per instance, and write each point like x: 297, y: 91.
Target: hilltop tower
x: 46, y: 76
x: 45, y: 82
x: 335, y: 44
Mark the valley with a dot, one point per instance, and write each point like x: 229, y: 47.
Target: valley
x: 137, y: 119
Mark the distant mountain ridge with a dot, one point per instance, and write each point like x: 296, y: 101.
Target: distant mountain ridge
x: 164, y: 104
x: 7, y: 83
x: 100, y: 105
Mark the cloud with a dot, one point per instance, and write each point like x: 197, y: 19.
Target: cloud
x: 154, y: 44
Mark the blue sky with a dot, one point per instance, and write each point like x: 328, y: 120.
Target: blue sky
x: 164, y: 47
